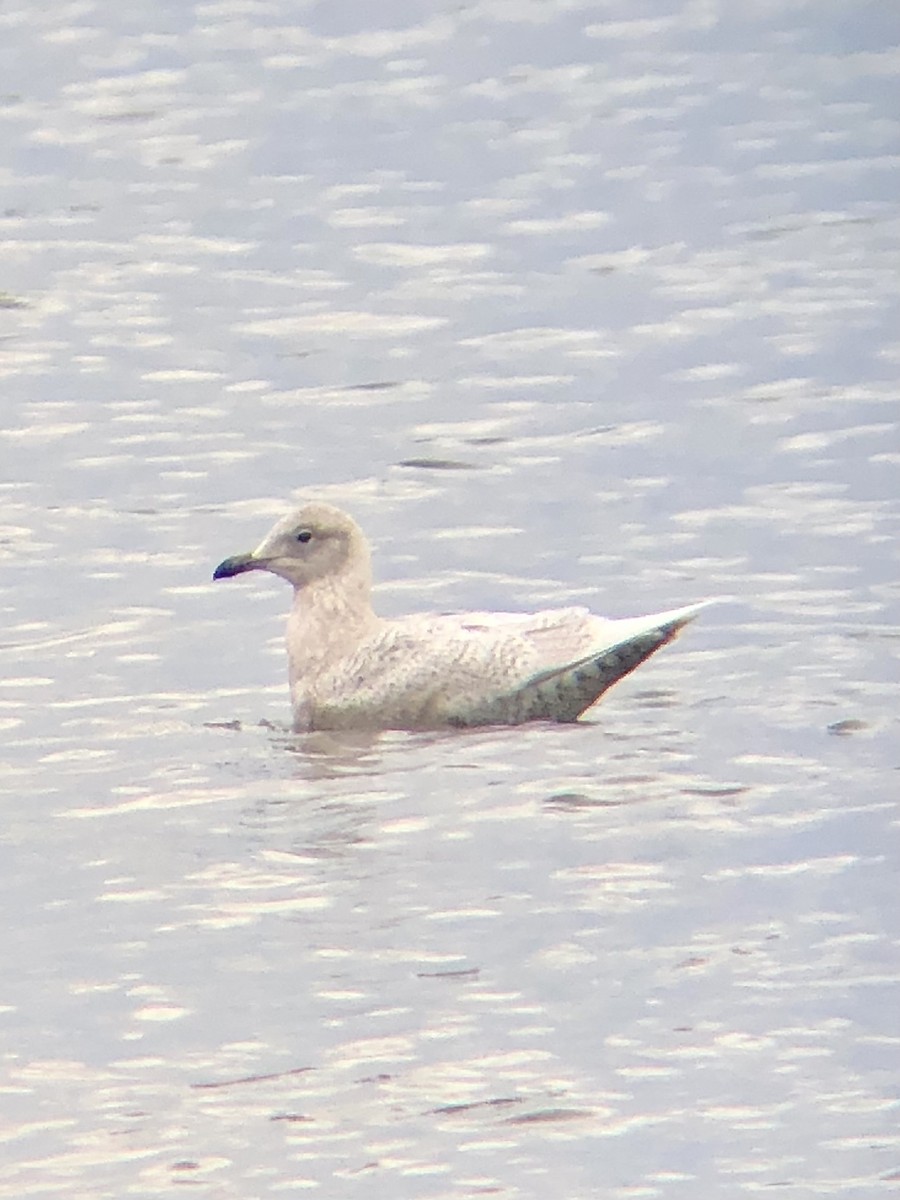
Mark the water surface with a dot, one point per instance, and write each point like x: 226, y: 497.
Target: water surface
x: 567, y: 303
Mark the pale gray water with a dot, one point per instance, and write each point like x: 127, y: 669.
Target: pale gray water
x: 568, y: 303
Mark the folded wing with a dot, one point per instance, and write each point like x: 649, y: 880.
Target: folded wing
x: 489, y: 668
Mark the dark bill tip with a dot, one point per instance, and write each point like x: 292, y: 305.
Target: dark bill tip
x: 236, y: 565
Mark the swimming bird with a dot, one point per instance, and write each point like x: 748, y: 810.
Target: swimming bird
x: 350, y: 669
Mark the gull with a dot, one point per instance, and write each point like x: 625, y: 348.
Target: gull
x: 351, y: 669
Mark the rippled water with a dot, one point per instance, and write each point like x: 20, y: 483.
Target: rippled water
x: 567, y: 302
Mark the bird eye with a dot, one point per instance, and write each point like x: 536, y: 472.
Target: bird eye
x: 303, y: 535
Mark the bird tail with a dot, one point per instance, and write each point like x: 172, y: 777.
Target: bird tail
x: 563, y: 693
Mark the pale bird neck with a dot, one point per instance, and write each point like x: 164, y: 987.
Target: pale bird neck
x: 327, y: 621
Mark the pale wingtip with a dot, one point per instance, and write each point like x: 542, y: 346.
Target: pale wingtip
x: 710, y: 601
x: 681, y: 616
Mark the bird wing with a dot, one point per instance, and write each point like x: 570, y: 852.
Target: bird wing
x: 486, y: 668
x: 562, y: 692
